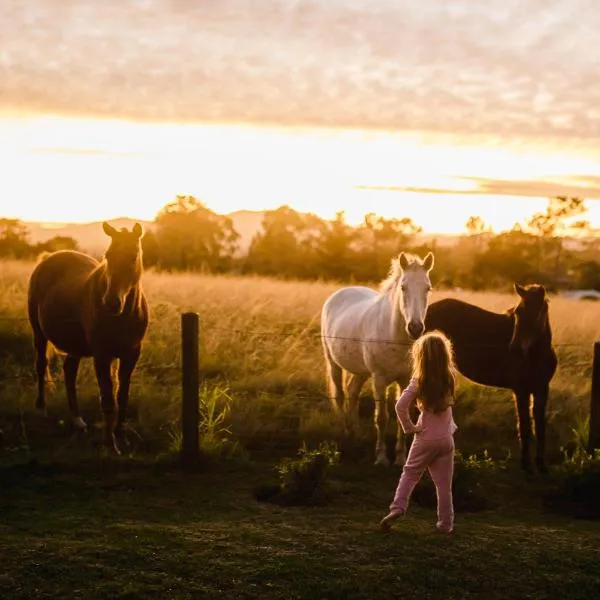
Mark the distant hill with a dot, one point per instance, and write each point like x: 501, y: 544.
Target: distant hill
x: 90, y: 236
x: 92, y: 239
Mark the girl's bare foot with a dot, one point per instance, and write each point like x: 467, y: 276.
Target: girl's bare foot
x: 386, y: 522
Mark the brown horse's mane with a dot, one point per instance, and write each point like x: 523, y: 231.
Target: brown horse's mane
x: 42, y: 256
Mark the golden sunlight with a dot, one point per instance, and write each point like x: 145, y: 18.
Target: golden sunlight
x: 75, y: 170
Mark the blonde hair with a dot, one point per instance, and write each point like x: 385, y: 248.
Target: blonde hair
x: 434, y: 370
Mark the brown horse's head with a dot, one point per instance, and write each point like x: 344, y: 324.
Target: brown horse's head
x: 532, y: 322
x: 123, y: 266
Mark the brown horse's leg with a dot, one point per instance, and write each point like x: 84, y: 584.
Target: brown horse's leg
x: 70, y: 368
x: 540, y: 401
x: 126, y: 366
x: 41, y: 364
x: 105, y: 383
x: 524, y: 419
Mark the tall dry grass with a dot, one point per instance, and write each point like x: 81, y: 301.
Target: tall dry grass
x: 260, y: 337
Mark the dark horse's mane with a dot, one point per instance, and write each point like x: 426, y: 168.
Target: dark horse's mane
x: 511, y: 350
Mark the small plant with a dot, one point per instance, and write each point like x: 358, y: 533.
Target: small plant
x: 303, y: 480
x: 578, y: 491
x: 214, y: 435
x: 575, y: 454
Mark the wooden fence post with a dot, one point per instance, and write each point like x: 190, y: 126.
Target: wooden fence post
x: 190, y: 384
x: 594, y: 433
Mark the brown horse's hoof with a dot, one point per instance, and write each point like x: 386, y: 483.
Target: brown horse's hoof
x: 111, y: 448
x: 121, y: 438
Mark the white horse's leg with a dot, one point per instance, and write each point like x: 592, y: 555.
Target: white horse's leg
x: 381, y: 419
x: 400, y: 450
x: 355, y: 384
x: 335, y: 381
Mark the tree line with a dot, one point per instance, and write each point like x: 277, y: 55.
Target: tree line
x: 187, y: 235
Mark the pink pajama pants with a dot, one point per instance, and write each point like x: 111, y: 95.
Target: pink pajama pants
x: 438, y: 457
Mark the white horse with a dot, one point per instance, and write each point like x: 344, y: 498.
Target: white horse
x: 367, y: 333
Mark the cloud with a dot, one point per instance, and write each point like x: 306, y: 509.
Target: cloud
x: 497, y: 68
x: 583, y: 186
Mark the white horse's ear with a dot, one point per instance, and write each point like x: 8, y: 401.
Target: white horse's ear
x: 428, y: 262
x: 403, y: 261
x: 109, y: 230
x: 520, y: 290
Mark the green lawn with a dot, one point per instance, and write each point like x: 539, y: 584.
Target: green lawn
x: 129, y: 528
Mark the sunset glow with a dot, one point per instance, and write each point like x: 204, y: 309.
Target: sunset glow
x: 101, y: 118
x: 91, y: 170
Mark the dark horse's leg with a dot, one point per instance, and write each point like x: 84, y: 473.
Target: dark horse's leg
x: 40, y: 344
x: 524, y: 419
x: 540, y: 402
x: 70, y: 368
x: 126, y: 366
x: 102, y: 366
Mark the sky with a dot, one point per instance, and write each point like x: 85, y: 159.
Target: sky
x: 433, y: 110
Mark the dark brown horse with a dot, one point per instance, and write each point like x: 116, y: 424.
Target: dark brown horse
x: 87, y: 308
x: 511, y: 350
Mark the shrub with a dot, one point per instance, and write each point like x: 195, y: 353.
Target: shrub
x: 468, y: 485
x: 302, y: 481
x: 578, y: 491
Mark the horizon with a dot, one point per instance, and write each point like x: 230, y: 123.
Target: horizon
x: 344, y: 105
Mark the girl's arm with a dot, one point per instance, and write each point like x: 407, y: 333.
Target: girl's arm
x: 408, y: 396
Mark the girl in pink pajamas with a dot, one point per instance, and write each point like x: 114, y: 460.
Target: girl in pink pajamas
x: 432, y: 386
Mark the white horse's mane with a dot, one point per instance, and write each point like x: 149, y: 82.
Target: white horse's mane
x: 396, y: 271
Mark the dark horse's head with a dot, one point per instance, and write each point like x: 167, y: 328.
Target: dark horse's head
x: 123, y: 266
x: 532, y: 323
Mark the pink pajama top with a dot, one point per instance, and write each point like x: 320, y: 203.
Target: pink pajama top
x: 434, y: 425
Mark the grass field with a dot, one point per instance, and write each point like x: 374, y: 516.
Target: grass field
x: 260, y: 348
x: 128, y: 529
x: 78, y: 524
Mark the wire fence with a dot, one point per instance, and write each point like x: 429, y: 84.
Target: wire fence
x: 282, y: 334
x: 157, y: 369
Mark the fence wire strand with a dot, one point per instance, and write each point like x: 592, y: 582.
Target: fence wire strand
x: 319, y: 335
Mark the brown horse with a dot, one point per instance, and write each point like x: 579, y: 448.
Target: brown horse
x: 87, y: 308
x: 511, y: 350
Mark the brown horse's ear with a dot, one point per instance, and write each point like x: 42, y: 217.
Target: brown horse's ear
x: 109, y: 230
x: 403, y: 261
x: 428, y: 262
x: 138, y: 230
x: 520, y: 290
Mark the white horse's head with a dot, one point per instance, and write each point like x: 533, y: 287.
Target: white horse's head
x: 412, y: 286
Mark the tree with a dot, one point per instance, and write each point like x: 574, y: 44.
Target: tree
x: 58, y: 242
x: 378, y: 240
x: 150, y: 249
x: 510, y: 256
x: 13, y: 238
x: 554, y: 221
x: 192, y: 237
x: 588, y: 275
x: 285, y: 245
x: 552, y: 225
x: 336, y: 254
x: 475, y: 225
